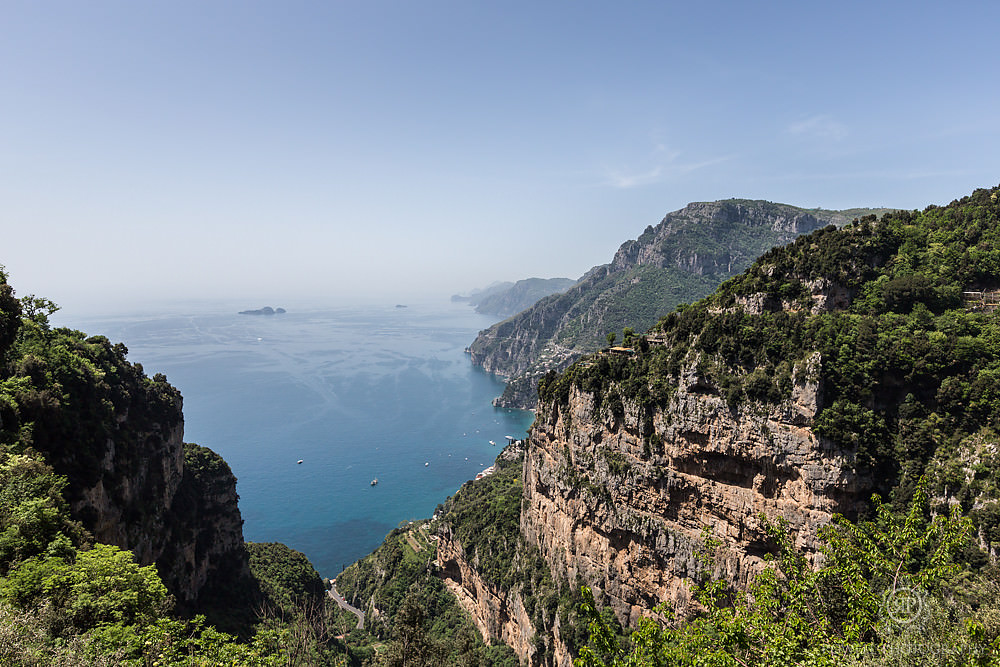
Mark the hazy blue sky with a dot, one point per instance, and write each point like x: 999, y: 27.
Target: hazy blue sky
x: 273, y: 150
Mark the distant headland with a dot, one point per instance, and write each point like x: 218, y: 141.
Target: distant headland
x: 266, y: 310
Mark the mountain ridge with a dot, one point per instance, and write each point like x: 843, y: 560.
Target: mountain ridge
x: 841, y: 364
x: 506, y: 298
x: 679, y: 260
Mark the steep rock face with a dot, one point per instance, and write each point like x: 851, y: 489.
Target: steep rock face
x: 498, y: 614
x: 601, y: 505
x: 680, y: 260
x: 136, y: 485
x: 205, y: 546
x: 116, y: 435
x: 759, y: 219
x: 121, y: 507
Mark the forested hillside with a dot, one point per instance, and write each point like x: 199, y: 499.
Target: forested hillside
x: 878, y: 344
x: 798, y: 469
x: 119, y: 543
x: 681, y: 259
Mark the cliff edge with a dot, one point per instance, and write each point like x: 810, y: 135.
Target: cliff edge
x: 681, y: 259
x: 117, y: 437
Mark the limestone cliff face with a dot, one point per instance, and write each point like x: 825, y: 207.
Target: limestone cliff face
x: 730, y: 252
x: 499, y: 614
x: 141, y: 488
x: 121, y: 507
x: 204, y: 549
x: 602, y: 506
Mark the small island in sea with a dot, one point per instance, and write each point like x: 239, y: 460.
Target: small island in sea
x: 266, y: 310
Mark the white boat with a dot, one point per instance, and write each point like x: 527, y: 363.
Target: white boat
x: 427, y: 463
x: 375, y: 481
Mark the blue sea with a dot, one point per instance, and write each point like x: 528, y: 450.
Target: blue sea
x: 356, y: 393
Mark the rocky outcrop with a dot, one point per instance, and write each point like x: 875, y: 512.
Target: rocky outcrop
x: 603, y: 505
x: 682, y: 259
x: 499, y: 615
x: 135, y: 484
x: 266, y: 310
x: 123, y: 507
x: 726, y: 253
x: 205, y: 543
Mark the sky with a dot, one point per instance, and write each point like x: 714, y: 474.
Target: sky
x: 276, y: 152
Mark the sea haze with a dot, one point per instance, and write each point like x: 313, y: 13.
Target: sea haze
x: 356, y: 393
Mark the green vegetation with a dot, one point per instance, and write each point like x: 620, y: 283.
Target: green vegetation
x: 411, y: 618
x: 907, y: 376
x: 286, y: 577
x: 872, y: 314
x: 484, y: 517
x: 682, y: 259
x: 70, y: 600
x: 415, y: 609
x: 890, y: 591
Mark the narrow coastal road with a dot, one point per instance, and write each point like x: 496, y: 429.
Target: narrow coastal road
x: 343, y: 604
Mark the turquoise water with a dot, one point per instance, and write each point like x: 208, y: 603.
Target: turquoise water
x: 355, y: 393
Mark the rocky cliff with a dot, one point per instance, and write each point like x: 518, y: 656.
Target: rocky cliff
x: 602, y: 506
x: 836, y: 366
x: 503, y: 583
x: 117, y: 436
x: 680, y: 260
x: 203, y: 549
x: 497, y: 612
x: 170, y: 503
x: 618, y: 496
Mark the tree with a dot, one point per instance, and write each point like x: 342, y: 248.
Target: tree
x: 38, y: 309
x: 10, y: 314
x: 411, y: 646
x: 33, y: 513
x: 103, y: 586
x: 878, y: 579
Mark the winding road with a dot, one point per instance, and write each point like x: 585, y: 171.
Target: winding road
x: 343, y: 604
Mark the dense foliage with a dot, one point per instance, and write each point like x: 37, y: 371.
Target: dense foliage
x: 889, y: 592
x: 66, y: 599
x: 484, y: 517
x: 682, y: 259
x: 411, y: 617
x: 910, y: 374
x: 889, y: 318
x: 874, y: 312
x: 404, y: 584
x: 287, y: 578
